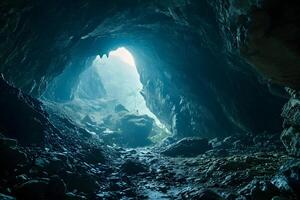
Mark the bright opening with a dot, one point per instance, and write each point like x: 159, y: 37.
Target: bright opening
x: 123, y: 54
x: 109, y: 104
x: 121, y: 81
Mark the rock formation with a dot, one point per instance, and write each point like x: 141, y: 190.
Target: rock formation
x: 222, y: 76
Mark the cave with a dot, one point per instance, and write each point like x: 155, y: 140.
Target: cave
x: 169, y: 99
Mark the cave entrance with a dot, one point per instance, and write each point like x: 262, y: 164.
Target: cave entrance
x: 121, y: 81
x: 109, y: 95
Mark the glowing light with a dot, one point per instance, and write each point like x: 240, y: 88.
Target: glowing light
x: 124, y: 54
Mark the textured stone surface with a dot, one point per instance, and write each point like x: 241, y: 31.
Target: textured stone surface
x: 187, y: 147
x: 290, y: 136
x: 6, y: 197
x: 192, y: 57
x: 22, y: 117
x: 272, y: 39
x: 179, y: 46
x: 291, y: 140
x: 288, y: 177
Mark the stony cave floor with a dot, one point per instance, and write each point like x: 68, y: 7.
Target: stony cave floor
x: 235, y: 168
x: 228, y: 69
x: 53, y: 158
x: 207, y: 176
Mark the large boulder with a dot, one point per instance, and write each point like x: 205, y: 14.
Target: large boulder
x: 132, y: 167
x: 56, y: 188
x: 188, y: 147
x: 128, y: 129
x: 94, y: 155
x: 53, y: 188
x: 291, y: 140
x: 33, y: 189
x: 84, y: 182
x: 135, y: 129
x: 259, y: 190
x: 288, y: 178
x: 291, y: 134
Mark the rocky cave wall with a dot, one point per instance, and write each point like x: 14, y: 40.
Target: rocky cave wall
x: 187, y: 53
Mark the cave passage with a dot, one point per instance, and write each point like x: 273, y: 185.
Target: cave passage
x: 121, y: 81
x: 153, y: 99
x: 107, y: 102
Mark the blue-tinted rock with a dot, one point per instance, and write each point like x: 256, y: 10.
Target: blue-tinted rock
x: 187, y: 147
x: 132, y: 167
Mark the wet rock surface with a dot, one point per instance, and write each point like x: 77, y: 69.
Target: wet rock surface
x: 22, y: 117
x: 74, y: 163
x: 186, y: 87
x: 188, y: 147
x: 291, y: 134
x: 128, y: 129
x: 193, y: 60
x: 246, y: 171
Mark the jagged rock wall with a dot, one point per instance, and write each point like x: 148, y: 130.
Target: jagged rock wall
x: 291, y: 114
x: 204, y: 96
x: 23, y: 117
x: 266, y: 33
x: 187, y: 52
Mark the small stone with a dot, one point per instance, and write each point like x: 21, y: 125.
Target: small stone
x: 290, y: 137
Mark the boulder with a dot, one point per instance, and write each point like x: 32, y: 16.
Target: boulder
x: 290, y: 137
x: 94, y: 156
x: 41, y: 189
x: 291, y: 112
x: 288, y: 178
x: 11, y: 157
x: 33, y: 189
x: 82, y: 182
x: 188, y: 147
x: 56, y: 188
x: 129, y: 130
x: 135, y: 129
x: 259, y: 190
x: 132, y: 167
